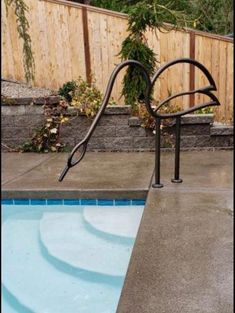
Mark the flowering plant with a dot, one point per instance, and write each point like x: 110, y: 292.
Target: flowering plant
x: 86, y: 98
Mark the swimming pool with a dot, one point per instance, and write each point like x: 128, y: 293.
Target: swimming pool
x: 66, y: 256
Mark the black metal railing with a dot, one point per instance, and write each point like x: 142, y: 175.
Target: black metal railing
x: 79, y: 150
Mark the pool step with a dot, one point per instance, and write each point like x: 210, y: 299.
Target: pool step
x: 6, y: 307
x: 114, y: 221
x: 66, y: 238
x: 37, y: 284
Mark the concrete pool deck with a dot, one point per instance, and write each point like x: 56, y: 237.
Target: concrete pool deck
x: 182, y: 261
x: 99, y: 175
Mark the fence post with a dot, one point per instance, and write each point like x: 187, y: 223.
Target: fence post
x: 86, y: 44
x: 192, y: 68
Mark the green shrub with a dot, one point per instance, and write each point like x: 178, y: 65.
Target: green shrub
x: 67, y: 89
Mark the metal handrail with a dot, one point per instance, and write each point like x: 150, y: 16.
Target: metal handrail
x: 152, y: 111
x: 105, y: 102
x: 177, y: 115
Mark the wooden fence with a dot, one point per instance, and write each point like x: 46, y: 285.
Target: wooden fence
x: 71, y: 40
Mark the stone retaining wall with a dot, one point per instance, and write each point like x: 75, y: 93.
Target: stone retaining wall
x: 117, y: 130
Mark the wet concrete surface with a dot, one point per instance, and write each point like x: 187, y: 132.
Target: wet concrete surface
x: 14, y: 165
x: 109, y: 175
x: 199, y: 169
x: 182, y: 261
x: 183, y: 258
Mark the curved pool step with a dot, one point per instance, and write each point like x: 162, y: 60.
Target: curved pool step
x: 10, y: 304
x: 65, y: 237
x: 117, y: 222
x: 38, y: 285
x: 6, y: 307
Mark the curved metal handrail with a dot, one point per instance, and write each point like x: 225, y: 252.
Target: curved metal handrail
x: 105, y: 101
x: 204, y: 90
x: 177, y: 115
x: 154, y: 112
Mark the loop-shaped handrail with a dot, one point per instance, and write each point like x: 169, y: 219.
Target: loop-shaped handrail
x: 177, y: 115
x: 184, y: 93
x: 204, y: 90
x: 84, y: 142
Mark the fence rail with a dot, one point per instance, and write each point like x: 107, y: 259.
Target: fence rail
x: 71, y: 40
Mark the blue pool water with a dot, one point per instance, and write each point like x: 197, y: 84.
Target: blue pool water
x: 66, y: 256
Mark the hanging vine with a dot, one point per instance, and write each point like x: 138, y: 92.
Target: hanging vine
x: 23, y: 31
x: 144, y: 15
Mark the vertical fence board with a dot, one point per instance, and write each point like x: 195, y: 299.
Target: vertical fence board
x: 53, y: 52
x: 76, y: 43
x: 104, y: 49
x: 65, y: 41
x: 94, y: 37
x: 229, y: 85
x: 122, y: 34
x: 44, y: 44
x: 222, y: 75
x: 39, y: 44
x: 185, y: 68
x: 203, y: 55
x: 62, y: 65
x: 5, y: 43
x: 215, y: 71
x: 198, y: 74
x: 116, y: 37
x: 14, y: 46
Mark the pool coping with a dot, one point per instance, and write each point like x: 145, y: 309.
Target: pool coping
x: 71, y: 194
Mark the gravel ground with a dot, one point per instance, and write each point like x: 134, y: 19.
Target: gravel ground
x: 13, y: 89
